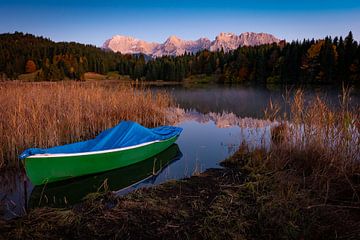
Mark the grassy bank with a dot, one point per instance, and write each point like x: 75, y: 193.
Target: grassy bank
x: 49, y: 114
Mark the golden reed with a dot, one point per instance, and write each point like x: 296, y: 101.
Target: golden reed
x: 50, y: 114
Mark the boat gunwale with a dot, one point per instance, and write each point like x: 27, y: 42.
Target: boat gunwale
x: 49, y: 155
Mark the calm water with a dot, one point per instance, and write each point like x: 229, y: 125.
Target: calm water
x: 215, y: 120
x: 250, y: 101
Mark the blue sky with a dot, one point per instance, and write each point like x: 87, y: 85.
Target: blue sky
x: 93, y: 21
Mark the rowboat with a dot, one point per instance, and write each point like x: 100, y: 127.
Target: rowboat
x: 74, y: 190
x: 117, y: 147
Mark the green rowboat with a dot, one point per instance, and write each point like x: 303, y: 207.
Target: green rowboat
x: 125, y: 144
x: 72, y: 191
x: 47, y: 168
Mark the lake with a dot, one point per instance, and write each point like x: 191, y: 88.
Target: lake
x: 215, y: 119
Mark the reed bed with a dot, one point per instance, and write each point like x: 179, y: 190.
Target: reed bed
x: 49, y: 114
x: 322, y: 142
x: 307, y: 185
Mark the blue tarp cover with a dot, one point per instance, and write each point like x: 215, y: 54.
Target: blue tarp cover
x: 125, y: 134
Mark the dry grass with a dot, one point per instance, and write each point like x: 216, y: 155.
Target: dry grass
x: 308, y: 184
x: 322, y: 145
x: 94, y: 76
x: 49, y: 114
x: 115, y: 76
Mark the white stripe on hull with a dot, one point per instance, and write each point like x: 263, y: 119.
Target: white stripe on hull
x: 49, y: 155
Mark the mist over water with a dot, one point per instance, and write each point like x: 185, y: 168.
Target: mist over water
x: 250, y: 101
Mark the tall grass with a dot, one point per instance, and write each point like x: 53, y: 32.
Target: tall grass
x: 323, y: 143
x: 308, y: 184
x: 49, y: 114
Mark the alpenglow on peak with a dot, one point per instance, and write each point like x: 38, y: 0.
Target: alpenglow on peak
x: 175, y: 46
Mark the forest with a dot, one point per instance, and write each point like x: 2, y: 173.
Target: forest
x: 329, y: 60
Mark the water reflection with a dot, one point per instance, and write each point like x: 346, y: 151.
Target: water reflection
x: 249, y: 100
x: 206, y: 140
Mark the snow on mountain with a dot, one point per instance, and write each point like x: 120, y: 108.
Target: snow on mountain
x: 175, y: 46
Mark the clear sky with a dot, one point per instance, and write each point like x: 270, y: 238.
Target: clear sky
x: 93, y: 21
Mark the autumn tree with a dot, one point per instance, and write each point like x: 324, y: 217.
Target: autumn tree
x: 30, y: 66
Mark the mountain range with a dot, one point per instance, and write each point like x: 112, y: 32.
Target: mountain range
x: 174, y: 46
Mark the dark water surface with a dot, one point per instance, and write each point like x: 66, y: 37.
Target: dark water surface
x: 216, y: 119
x: 250, y: 101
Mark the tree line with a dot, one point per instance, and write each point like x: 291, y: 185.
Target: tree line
x: 25, y: 53
x: 329, y: 60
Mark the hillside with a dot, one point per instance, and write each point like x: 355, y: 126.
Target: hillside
x: 25, y: 53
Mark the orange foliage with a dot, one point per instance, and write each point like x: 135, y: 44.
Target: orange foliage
x: 314, y: 50
x: 30, y: 66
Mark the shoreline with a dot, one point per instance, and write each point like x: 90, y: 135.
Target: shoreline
x: 242, y: 200
x: 172, y: 210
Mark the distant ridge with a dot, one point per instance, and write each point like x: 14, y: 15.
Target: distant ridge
x: 174, y: 46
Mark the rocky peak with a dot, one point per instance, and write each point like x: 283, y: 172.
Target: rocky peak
x: 175, y: 46
x: 173, y: 39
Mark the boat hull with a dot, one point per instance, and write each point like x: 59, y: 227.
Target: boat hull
x: 47, y: 169
x: 69, y: 192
